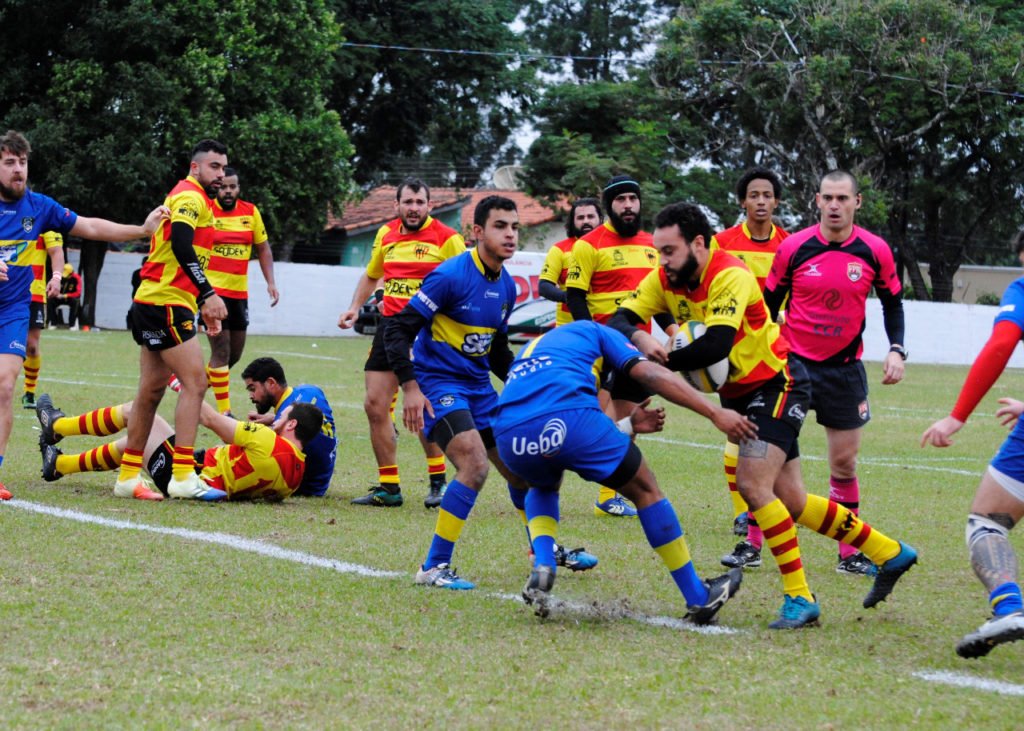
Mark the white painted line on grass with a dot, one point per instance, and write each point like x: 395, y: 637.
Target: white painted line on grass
x: 962, y: 680
x: 307, y: 559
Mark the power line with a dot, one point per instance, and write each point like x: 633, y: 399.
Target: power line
x: 468, y: 52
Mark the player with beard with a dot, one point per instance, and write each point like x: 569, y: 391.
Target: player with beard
x: 716, y: 288
x: 24, y: 216
x: 605, y: 267
x: 163, y: 316
x: 405, y: 251
x: 238, y: 229
x: 584, y: 216
x: 271, y: 395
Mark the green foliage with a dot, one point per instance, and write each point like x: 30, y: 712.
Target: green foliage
x: 988, y: 298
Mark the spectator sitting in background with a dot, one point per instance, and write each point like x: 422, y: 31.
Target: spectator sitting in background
x: 70, y: 295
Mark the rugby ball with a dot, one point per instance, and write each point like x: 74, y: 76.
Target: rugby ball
x: 707, y: 380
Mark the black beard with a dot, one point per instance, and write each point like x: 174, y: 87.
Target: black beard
x: 578, y: 233
x: 625, y: 230
x: 227, y: 206
x: 417, y: 227
x: 684, y: 276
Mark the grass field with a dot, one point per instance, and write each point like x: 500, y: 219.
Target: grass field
x: 125, y: 614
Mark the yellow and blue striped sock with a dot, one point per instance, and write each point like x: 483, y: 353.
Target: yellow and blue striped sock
x: 661, y: 526
x: 1005, y: 599
x: 542, y: 516
x: 456, y: 504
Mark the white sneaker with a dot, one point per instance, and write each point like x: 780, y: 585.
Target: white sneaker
x: 442, y: 576
x: 996, y: 631
x: 136, y: 488
x: 192, y: 488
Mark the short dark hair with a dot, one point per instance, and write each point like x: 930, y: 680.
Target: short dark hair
x: 490, y: 203
x: 689, y: 218
x: 1018, y: 242
x: 230, y: 172
x: 209, y: 145
x: 758, y: 174
x: 413, y: 184
x: 837, y: 175
x: 309, y: 421
x: 15, y: 143
x: 263, y: 368
x: 570, y: 225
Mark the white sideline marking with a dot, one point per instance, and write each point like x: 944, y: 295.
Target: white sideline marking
x: 962, y: 680
x: 308, y: 559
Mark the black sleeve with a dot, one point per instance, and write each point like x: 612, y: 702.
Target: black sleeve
x: 500, y: 356
x: 892, y: 316
x: 774, y: 299
x: 709, y: 348
x: 664, y: 320
x: 181, y: 245
x: 551, y: 291
x: 576, y: 300
x: 399, y: 332
x: 625, y: 321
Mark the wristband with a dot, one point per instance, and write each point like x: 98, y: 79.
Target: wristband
x: 625, y: 426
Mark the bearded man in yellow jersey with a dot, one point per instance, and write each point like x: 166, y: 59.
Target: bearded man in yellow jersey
x: 51, y: 245
x: 773, y: 391
x: 238, y: 229
x: 163, y: 313
x: 404, y: 252
x: 605, y: 266
x: 584, y: 216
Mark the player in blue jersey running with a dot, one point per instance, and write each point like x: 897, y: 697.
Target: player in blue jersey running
x: 459, y: 321
x: 549, y: 420
x: 999, y: 500
x: 24, y: 216
x: 271, y: 395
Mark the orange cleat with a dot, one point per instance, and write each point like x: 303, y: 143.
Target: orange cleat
x: 5, y: 494
x: 142, y: 492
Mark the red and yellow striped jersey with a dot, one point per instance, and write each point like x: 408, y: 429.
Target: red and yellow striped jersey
x: 235, y: 232
x: 164, y: 282
x: 609, y: 267
x: 49, y: 240
x: 726, y: 295
x: 404, y: 259
x: 260, y: 465
x: 757, y: 255
x: 555, y: 270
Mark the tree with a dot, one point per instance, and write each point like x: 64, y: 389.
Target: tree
x: 919, y: 99
x: 445, y: 115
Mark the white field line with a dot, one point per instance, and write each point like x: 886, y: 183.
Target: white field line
x: 307, y: 559
x: 962, y: 680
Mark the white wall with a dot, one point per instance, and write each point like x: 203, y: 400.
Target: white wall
x: 313, y: 295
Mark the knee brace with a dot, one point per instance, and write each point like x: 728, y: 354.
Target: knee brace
x: 978, y: 527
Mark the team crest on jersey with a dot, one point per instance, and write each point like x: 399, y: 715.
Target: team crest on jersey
x: 420, y: 251
x: 28, y: 223
x: 854, y: 270
x: 618, y: 259
x: 652, y: 257
x: 725, y: 304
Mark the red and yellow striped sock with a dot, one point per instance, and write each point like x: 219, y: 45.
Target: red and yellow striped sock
x: 730, y: 457
x: 184, y: 463
x: 388, y: 475
x: 101, y: 459
x: 99, y: 423
x: 394, y: 404
x: 220, y: 384
x: 436, y: 467
x: 32, y: 365
x: 131, y: 465
x: 780, y: 537
x: 833, y: 520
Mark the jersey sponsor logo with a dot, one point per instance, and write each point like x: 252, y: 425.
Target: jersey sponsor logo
x: 11, y: 252
x: 725, y: 304
x: 477, y: 343
x: 153, y: 336
x: 547, y: 444
x: 431, y: 305
x: 526, y: 367
x: 854, y: 271
x: 575, y: 271
x: 159, y: 463
x: 832, y: 299
x: 797, y: 412
x: 618, y: 260
x: 491, y: 294
x: 446, y: 400
x: 16, y: 345
x: 1008, y: 308
x: 189, y: 209
x: 250, y: 426
x: 399, y: 288
x: 230, y: 250
x: 187, y: 325
x: 829, y: 331
x: 863, y: 411
x: 812, y: 270
x: 28, y: 223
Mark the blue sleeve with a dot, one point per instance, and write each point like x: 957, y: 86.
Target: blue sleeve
x: 616, y: 348
x: 1011, y: 307
x: 433, y: 294
x: 55, y: 216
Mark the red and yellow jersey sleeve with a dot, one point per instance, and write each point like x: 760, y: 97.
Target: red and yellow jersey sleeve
x: 555, y: 270
x: 235, y: 232
x: 44, y: 244
x: 609, y: 267
x: 403, y: 259
x: 259, y: 465
x: 757, y: 255
x: 163, y: 280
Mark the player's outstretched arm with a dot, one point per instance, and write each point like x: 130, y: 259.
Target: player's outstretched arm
x: 100, y: 229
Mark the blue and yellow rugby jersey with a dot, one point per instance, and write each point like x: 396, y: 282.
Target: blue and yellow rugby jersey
x: 466, y: 307
x: 561, y: 370
x: 323, y: 448
x: 21, y: 224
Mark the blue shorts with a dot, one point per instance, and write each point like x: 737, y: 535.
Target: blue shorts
x: 1010, y: 458
x: 584, y: 441
x: 13, y: 334
x: 446, y: 396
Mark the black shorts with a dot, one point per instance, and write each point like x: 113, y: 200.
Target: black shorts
x: 778, y: 407
x: 623, y: 388
x: 159, y: 327
x: 238, y: 314
x: 161, y: 464
x: 36, y: 316
x: 839, y: 394
x: 377, y: 358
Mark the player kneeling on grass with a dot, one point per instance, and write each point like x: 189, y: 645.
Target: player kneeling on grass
x: 714, y: 287
x: 256, y: 463
x: 549, y: 421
